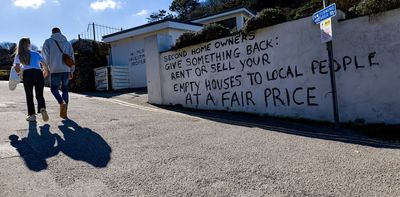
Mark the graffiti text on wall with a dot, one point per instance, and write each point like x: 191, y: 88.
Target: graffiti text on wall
x: 240, y: 71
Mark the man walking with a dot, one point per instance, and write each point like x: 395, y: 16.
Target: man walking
x: 60, y: 73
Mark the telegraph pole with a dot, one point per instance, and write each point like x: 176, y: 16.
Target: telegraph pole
x: 329, y: 46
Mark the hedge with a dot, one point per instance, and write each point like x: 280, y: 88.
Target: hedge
x: 265, y: 18
x: 272, y: 16
x: 208, y: 33
x: 307, y: 9
x: 367, y: 7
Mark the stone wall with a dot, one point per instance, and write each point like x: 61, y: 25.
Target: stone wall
x: 88, y: 55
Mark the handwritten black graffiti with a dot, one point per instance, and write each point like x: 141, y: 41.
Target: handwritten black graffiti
x: 234, y: 40
x: 213, y: 57
x: 255, y: 78
x: 255, y: 61
x: 191, y: 86
x: 259, y: 46
x: 190, y: 97
x: 177, y: 55
x: 223, y: 84
x: 182, y: 74
x: 285, y: 97
x: 210, y: 99
x: 221, y: 67
x: 173, y: 65
x: 322, y: 66
x: 240, y: 98
x: 288, y: 72
x: 284, y: 73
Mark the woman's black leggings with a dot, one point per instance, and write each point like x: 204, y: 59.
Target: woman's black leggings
x: 34, y: 78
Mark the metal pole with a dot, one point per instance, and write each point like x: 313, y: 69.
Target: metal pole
x: 329, y: 46
x: 94, y: 33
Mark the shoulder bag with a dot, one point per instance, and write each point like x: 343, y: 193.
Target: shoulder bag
x: 66, y: 58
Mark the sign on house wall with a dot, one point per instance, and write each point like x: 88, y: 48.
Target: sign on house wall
x: 283, y: 71
x: 130, y: 53
x: 137, y: 57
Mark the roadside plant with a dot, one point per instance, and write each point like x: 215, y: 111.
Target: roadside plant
x: 265, y: 18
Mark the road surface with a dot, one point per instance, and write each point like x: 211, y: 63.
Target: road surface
x: 116, y: 146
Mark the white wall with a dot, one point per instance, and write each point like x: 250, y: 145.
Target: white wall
x: 368, y: 89
x: 130, y: 52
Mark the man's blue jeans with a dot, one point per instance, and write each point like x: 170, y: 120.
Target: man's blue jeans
x: 57, y: 79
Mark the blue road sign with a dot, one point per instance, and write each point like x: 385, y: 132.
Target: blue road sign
x: 324, y: 14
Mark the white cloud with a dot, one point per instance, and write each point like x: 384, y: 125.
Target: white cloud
x: 101, y: 5
x: 35, y: 4
x: 142, y: 13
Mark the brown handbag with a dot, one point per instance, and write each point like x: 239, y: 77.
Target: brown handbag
x: 66, y: 58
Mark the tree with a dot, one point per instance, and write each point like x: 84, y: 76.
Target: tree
x: 12, y: 46
x: 183, y: 7
x: 8, y: 45
x: 227, y: 4
x: 7, y: 50
x: 161, y: 15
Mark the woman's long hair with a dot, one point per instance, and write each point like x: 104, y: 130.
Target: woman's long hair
x: 23, y: 51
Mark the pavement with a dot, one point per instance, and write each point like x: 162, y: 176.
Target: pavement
x: 117, y: 144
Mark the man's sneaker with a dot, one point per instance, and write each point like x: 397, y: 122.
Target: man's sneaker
x: 45, y: 116
x: 63, y: 110
x: 31, y: 118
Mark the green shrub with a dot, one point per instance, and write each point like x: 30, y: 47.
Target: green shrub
x: 307, y: 9
x: 214, y: 31
x: 366, y: 7
x: 346, y: 5
x: 265, y: 18
x: 184, y: 39
x: 208, y: 33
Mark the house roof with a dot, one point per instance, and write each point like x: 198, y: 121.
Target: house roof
x: 225, y: 13
x: 152, y: 27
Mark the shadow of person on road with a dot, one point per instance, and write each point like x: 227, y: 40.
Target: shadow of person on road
x: 36, y: 147
x: 83, y: 144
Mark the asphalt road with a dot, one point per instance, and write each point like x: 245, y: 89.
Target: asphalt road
x: 118, y: 145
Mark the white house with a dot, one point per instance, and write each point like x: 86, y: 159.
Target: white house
x: 127, y: 47
x: 232, y: 18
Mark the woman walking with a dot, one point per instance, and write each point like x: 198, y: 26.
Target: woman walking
x: 34, y: 71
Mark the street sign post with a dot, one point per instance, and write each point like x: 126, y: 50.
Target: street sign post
x: 323, y: 17
x: 324, y: 14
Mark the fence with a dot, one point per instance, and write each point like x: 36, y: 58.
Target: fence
x: 112, y: 78
x: 96, y: 32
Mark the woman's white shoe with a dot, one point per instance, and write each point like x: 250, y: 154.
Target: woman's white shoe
x: 31, y: 118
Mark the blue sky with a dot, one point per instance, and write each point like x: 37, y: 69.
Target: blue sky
x: 36, y: 18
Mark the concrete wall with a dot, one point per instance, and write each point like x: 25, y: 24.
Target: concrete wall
x: 283, y: 71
